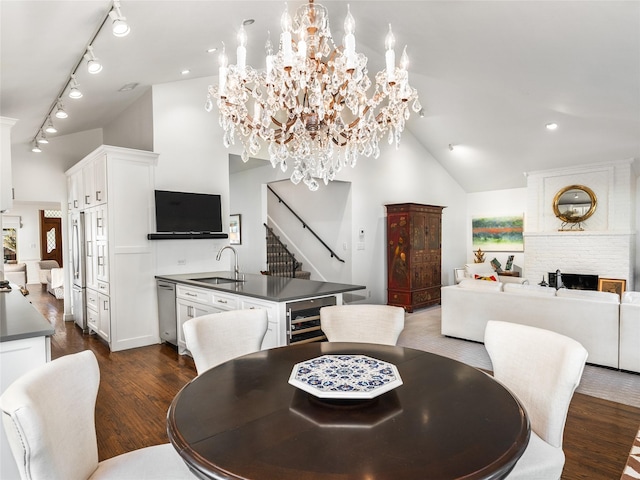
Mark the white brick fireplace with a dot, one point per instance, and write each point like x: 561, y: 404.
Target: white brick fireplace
x: 605, y: 247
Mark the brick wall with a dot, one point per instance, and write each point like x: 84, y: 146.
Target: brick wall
x: 606, y: 246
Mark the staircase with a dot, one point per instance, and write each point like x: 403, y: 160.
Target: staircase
x: 281, y: 262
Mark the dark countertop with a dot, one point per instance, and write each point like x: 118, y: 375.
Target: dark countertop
x: 19, y: 319
x: 266, y: 287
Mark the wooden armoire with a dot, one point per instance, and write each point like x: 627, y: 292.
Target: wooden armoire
x: 413, y: 255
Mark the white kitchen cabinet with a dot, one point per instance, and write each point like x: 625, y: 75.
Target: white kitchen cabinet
x: 186, y: 310
x: 88, y: 185
x: 120, y: 259
x: 271, y: 339
x: 100, y: 180
x: 75, y: 189
x: 104, y: 316
x: 6, y: 184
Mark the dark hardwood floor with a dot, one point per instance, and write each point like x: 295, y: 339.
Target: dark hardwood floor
x: 138, y: 385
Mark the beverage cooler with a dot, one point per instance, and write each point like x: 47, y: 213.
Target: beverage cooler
x: 303, y: 320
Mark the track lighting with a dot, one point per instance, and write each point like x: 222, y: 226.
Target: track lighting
x: 93, y: 64
x: 119, y: 27
x: 74, y: 93
x: 50, y: 128
x: 60, y: 113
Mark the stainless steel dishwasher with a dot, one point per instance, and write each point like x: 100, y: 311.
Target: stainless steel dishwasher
x: 167, y: 311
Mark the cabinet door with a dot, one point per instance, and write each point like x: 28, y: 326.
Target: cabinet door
x: 90, y: 249
x: 271, y: 337
x: 74, y: 194
x: 187, y: 310
x: 101, y: 230
x: 100, y: 177
x: 88, y: 185
x: 102, y: 261
x: 104, y: 314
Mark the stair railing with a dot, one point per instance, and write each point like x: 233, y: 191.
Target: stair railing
x: 291, y: 259
x: 305, y: 225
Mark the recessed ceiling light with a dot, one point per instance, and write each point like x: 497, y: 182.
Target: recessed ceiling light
x: 185, y: 72
x: 211, y: 50
x: 551, y: 126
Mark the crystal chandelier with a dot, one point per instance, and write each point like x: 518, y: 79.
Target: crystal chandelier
x: 310, y: 103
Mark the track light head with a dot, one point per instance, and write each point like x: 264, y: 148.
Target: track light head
x: 119, y: 27
x: 35, y: 147
x: 42, y: 138
x: 74, y: 92
x: 60, y: 113
x: 50, y: 128
x: 93, y: 65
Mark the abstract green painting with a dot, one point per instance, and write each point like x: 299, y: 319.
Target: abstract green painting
x: 498, y: 234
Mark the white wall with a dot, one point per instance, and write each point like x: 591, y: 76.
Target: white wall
x: 510, y: 202
x: 409, y: 174
x: 192, y: 159
x: 39, y: 177
x: 327, y: 212
x: 28, y: 215
x: 134, y: 127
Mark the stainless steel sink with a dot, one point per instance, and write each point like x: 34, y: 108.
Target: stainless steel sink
x: 215, y: 280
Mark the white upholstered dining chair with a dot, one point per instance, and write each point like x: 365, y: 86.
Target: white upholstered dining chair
x: 49, y: 418
x: 362, y: 323
x: 217, y: 337
x: 542, y: 369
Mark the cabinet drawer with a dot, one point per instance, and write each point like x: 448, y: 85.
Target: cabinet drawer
x: 225, y: 302
x: 93, y: 319
x: 92, y: 300
x: 270, y: 308
x: 397, y: 298
x: 194, y: 294
x: 103, y: 287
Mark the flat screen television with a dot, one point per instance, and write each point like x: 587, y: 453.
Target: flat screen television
x: 188, y: 212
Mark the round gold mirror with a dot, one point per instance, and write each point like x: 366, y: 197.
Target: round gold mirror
x: 574, y: 204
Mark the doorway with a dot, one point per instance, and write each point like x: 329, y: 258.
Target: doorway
x: 51, y: 236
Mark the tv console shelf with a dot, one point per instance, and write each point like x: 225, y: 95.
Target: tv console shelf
x: 184, y: 235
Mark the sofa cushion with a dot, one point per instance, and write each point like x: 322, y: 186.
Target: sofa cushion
x: 471, y: 269
x: 631, y: 297
x: 608, y: 297
x: 480, y: 285
x: 535, y: 290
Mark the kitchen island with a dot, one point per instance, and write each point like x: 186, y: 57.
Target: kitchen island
x: 25, y: 343
x: 211, y: 292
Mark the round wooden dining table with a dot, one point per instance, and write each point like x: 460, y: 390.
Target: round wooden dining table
x: 243, y: 420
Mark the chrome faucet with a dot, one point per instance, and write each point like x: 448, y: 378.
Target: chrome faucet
x: 236, y: 270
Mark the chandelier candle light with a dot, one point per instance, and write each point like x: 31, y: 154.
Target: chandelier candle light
x: 310, y: 103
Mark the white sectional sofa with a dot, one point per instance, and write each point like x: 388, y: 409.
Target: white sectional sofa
x: 591, y: 318
x: 630, y: 331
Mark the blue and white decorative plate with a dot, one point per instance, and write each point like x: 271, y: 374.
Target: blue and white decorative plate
x: 345, y: 376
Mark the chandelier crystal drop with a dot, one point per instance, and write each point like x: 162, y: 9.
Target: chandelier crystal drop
x: 310, y: 104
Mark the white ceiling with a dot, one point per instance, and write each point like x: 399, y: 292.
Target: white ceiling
x: 490, y: 74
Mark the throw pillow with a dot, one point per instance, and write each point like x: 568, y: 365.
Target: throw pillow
x: 490, y: 278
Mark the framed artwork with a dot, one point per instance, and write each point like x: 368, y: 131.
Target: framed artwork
x: 612, y: 285
x: 498, y: 234
x: 235, y: 232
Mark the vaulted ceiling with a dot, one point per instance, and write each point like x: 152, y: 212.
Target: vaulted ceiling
x: 490, y: 74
